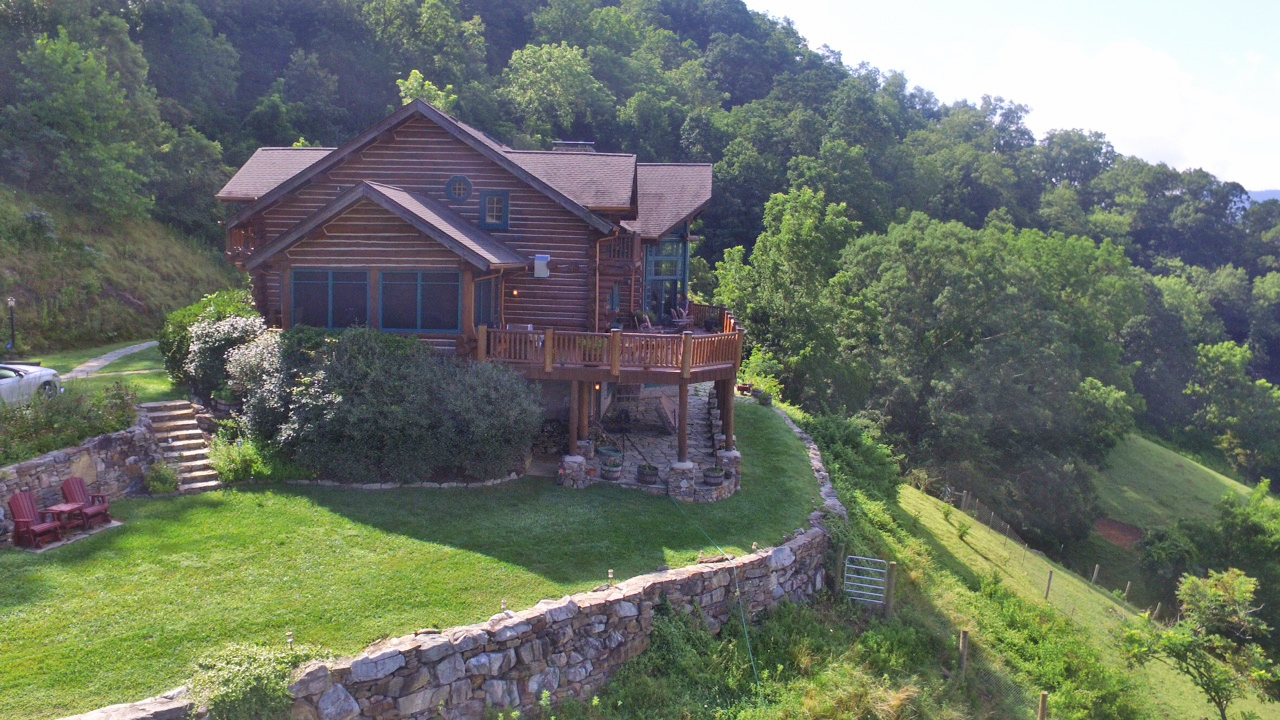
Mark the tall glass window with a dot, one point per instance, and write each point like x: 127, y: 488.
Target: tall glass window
x: 666, y: 275
x: 421, y: 301
x: 495, y: 209
x: 486, y: 295
x: 330, y: 298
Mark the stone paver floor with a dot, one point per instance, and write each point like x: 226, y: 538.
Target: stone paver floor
x: 646, y: 437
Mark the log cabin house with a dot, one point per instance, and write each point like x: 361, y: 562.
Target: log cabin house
x: 424, y: 226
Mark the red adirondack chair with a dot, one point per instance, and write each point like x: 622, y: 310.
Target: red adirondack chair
x: 95, y: 505
x: 32, y: 525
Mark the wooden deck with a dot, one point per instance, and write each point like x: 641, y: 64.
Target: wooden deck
x: 617, y: 356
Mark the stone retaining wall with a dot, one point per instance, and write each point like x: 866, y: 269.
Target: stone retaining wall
x: 567, y: 647
x: 109, y: 464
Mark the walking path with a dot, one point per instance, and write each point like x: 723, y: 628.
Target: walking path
x: 89, y: 368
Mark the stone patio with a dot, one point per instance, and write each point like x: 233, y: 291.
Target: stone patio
x: 642, y: 430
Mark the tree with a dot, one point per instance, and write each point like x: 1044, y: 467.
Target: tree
x: 71, y: 130
x: 552, y: 89
x: 417, y: 87
x: 1243, y: 414
x: 1213, y: 643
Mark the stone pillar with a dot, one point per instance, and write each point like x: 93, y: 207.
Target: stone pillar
x: 683, y: 423
x: 682, y: 478
x: 573, y: 471
x: 587, y: 448
x: 731, y: 461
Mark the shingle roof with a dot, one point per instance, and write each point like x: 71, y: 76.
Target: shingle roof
x: 269, y: 167
x: 431, y: 218
x: 441, y: 217
x: 593, y: 180
x: 669, y: 195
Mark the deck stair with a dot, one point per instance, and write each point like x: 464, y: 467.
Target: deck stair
x: 183, y: 444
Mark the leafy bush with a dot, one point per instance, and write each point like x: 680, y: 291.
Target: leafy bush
x: 235, y: 460
x: 161, y: 478
x: 61, y: 421
x: 854, y: 457
x: 762, y: 370
x: 381, y: 407
x: 261, y: 372
x: 211, y: 341
x: 175, y: 336
x: 247, y: 682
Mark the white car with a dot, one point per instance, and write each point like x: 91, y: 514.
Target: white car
x: 20, y: 383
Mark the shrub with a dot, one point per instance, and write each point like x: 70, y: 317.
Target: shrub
x: 247, y: 682
x: 210, y: 343
x: 161, y: 478
x: 854, y: 457
x: 61, y: 421
x: 235, y: 460
x: 381, y: 406
x: 175, y: 336
x: 762, y: 370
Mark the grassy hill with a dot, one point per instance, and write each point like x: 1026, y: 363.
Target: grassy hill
x: 81, y: 281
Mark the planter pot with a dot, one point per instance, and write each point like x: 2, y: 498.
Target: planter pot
x: 647, y: 475
x: 713, y: 476
x: 607, y: 453
x: 765, y: 399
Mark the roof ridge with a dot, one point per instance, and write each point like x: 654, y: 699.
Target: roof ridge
x: 562, y: 153
x: 681, y: 164
x: 290, y: 147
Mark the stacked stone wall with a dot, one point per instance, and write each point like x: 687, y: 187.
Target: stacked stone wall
x: 109, y: 464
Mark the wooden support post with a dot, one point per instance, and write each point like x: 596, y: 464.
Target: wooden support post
x: 574, y: 409
x: 1096, y: 568
x: 683, y: 423
x: 890, y: 586
x: 1048, y: 586
x: 468, y: 304
x: 964, y: 653
x: 548, y: 351
x: 584, y: 410
x: 482, y: 343
x: 1043, y: 712
x: 615, y: 352
x: 686, y: 354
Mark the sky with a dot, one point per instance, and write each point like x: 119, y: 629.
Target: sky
x: 1190, y: 84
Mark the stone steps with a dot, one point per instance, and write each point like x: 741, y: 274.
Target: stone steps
x: 183, y: 445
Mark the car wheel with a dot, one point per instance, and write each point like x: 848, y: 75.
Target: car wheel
x: 47, y: 390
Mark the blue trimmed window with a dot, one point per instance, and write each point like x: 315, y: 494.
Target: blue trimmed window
x: 330, y: 298
x: 457, y: 188
x: 487, y: 302
x: 428, y: 302
x: 495, y: 209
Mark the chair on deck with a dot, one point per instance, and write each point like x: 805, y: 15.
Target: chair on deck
x: 32, y: 525
x: 95, y: 505
x: 643, y: 324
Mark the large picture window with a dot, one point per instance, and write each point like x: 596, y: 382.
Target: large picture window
x: 330, y: 298
x: 421, y: 301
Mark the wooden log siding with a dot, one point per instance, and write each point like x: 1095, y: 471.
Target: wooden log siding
x: 368, y: 236
x: 420, y: 157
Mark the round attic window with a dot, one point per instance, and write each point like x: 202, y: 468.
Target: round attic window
x: 457, y: 188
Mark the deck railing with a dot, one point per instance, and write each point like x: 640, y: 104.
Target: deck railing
x: 616, y: 350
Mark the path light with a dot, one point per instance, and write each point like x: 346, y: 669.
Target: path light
x: 504, y: 604
x: 610, y: 576
x: 288, y: 638
x: 13, y: 341
x: 755, y: 547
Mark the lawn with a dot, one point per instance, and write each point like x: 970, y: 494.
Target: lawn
x: 65, y: 362
x: 1093, y: 609
x: 122, y: 615
x: 151, y: 387
x: 149, y: 359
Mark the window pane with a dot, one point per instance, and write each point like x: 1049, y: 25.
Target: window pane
x: 399, y: 304
x: 310, y: 276
x: 440, y: 306
x: 310, y: 302
x: 485, y: 306
x: 347, y: 277
x: 495, y: 209
x: 350, y: 302
x: 400, y: 277
x: 449, y: 278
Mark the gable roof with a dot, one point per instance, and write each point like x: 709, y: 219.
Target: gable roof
x: 593, y: 180
x: 431, y: 218
x: 266, y: 169
x: 669, y: 194
x: 480, y: 142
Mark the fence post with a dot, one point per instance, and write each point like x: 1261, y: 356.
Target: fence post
x: 1043, y: 712
x: 1048, y: 586
x: 841, y: 561
x: 964, y: 653
x: 1155, y: 615
x: 890, y: 584
x: 548, y: 355
x: 1126, y: 588
x: 1096, y: 568
x: 615, y: 352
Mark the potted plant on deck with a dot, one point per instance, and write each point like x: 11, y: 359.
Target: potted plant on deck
x: 610, y: 467
x: 713, y: 475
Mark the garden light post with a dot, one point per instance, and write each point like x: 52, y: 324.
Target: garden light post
x: 13, y: 338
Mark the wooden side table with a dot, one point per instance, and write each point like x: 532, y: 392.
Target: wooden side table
x: 69, y: 515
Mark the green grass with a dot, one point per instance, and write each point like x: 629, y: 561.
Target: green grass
x: 152, y: 387
x: 66, y: 361
x: 1093, y: 610
x: 149, y: 359
x: 119, y: 616
x: 1150, y: 486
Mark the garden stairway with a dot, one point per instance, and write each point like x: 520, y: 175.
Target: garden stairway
x: 183, y: 444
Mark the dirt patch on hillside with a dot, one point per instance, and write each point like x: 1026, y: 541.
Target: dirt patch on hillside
x: 1118, y: 533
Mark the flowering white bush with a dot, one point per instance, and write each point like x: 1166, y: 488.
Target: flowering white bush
x: 206, y: 366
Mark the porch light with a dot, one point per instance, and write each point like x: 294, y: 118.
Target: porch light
x: 597, y: 387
